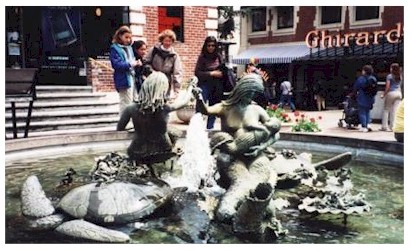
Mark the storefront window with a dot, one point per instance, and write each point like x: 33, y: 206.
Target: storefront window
x: 171, y: 17
x: 99, y: 24
x: 330, y: 14
x: 258, y: 19
x: 13, y: 37
x: 285, y: 17
x: 366, y: 12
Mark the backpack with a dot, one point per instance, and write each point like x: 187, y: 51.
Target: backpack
x: 371, y: 88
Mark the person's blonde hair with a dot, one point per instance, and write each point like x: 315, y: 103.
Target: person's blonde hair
x: 119, y: 32
x: 395, y: 71
x: 167, y: 33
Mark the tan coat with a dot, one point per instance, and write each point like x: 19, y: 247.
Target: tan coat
x: 167, y: 62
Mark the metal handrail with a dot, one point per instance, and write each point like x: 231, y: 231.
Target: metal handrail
x: 101, y: 64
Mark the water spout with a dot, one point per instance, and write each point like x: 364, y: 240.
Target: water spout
x: 197, y: 163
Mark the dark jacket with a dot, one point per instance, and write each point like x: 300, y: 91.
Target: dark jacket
x: 142, y: 70
x: 363, y: 99
x: 319, y: 88
x: 205, y: 65
x: 121, y: 67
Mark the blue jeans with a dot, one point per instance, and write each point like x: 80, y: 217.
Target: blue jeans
x: 287, y: 99
x: 213, y: 93
x: 364, y: 116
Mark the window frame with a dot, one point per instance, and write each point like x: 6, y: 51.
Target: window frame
x: 278, y: 16
x: 179, y: 35
x: 365, y: 23
x: 250, y: 26
x: 284, y: 31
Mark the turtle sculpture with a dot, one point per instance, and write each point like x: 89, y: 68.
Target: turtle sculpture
x: 85, y: 210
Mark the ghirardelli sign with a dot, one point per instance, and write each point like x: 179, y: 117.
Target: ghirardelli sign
x: 322, y: 38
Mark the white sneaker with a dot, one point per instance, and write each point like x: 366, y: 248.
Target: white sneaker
x: 364, y: 129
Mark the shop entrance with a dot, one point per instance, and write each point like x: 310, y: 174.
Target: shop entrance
x: 58, y: 40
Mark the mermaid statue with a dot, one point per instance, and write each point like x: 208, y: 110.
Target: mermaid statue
x: 247, y: 130
x: 153, y: 141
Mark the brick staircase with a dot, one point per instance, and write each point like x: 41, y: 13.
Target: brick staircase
x: 64, y: 110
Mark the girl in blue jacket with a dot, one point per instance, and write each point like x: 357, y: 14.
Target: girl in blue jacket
x: 123, y: 61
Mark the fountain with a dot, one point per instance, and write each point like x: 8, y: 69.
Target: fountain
x: 241, y: 187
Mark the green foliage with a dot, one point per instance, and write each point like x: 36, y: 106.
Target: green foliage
x: 304, y: 124
x: 279, y: 113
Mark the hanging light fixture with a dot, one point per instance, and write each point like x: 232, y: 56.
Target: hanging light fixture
x: 98, y: 11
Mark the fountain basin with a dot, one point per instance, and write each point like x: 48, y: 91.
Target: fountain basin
x: 391, y: 153
x: 79, y: 153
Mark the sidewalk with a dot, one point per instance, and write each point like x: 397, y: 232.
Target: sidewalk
x: 328, y: 125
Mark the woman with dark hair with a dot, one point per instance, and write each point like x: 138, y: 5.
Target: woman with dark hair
x: 392, y: 96
x: 209, y: 75
x: 365, y: 99
x: 140, y: 51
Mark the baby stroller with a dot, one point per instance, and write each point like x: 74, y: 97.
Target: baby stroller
x: 350, y: 113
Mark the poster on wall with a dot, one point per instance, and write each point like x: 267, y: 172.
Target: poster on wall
x: 61, y: 37
x: 13, y: 43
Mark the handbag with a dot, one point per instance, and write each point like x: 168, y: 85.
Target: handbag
x: 229, y: 77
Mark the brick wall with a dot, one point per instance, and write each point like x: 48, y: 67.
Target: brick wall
x: 151, y: 27
x: 194, y: 35
x: 100, y: 75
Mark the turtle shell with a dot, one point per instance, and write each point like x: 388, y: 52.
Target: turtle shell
x: 115, y: 203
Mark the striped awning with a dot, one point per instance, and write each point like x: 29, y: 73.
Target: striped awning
x: 383, y: 50
x: 272, y: 55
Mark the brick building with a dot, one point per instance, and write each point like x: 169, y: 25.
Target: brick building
x: 70, y: 44
x: 304, y: 43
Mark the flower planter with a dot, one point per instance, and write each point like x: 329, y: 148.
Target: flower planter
x: 286, y: 124
x: 185, y: 114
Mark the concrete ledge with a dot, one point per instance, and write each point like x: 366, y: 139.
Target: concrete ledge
x: 390, y: 153
x: 62, y: 140
x: 385, y: 146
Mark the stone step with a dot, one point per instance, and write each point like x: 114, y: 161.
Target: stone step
x: 55, y: 105
x: 36, y: 115
x: 43, y: 125
x: 94, y: 129
x: 63, y: 88
x: 69, y: 95
x: 60, y: 109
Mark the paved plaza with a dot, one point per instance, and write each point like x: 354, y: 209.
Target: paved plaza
x: 328, y: 125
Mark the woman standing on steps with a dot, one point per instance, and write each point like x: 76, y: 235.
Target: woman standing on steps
x: 123, y: 61
x: 163, y: 57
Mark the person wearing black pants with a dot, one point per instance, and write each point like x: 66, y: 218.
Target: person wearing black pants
x: 209, y: 75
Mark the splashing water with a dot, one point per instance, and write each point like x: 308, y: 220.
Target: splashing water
x: 197, y: 163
